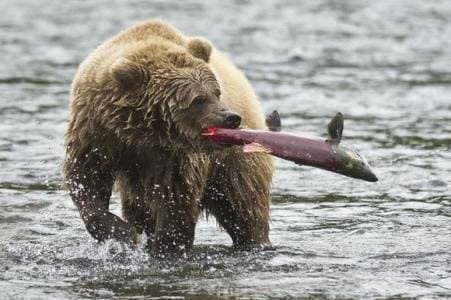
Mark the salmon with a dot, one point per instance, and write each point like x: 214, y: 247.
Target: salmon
x: 327, y: 154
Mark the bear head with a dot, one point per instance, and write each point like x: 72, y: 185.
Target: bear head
x: 168, y: 94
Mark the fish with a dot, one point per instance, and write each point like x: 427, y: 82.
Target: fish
x: 327, y: 154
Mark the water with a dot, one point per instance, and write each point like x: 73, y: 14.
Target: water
x: 385, y: 64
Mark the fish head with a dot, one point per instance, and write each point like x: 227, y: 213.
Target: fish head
x: 352, y: 164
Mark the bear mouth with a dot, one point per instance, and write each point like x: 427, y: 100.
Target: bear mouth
x: 210, y: 131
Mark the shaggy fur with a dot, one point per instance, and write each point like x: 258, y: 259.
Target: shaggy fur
x: 138, y: 105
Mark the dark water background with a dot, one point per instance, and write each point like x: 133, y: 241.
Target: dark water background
x: 385, y: 64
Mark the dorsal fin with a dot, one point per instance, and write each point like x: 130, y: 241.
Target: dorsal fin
x: 273, y: 121
x: 335, y: 129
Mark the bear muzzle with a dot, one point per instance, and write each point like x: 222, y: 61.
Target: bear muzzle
x: 232, y: 120
x: 223, y: 118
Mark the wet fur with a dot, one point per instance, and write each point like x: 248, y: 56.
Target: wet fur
x: 128, y: 126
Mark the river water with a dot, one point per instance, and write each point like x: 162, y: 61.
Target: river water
x: 386, y: 65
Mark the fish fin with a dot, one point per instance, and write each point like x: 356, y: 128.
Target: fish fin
x: 335, y: 129
x: 256, y: 147
x: 273, y: 121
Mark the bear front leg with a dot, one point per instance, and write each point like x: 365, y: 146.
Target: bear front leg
x: 175, y: 226
x: 248, y: 229
x: 90, y: 181
x: 136, y: 203
x: 237, y: 194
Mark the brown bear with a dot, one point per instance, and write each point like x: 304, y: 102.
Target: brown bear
x: 139, y: 103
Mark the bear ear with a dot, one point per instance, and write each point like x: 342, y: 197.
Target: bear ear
x: 125, y: 72
x: 200, y: 48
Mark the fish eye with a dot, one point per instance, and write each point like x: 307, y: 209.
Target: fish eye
x: 199, y: 101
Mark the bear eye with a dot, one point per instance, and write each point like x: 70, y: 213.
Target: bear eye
x: 199, y: 101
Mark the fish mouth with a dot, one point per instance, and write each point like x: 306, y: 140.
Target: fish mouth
x: 369, y: 176
x: 352, y: 164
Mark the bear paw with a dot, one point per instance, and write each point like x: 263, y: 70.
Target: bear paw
x: 106, y: 226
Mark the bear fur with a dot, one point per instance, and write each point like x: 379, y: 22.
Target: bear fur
x: 139, y: 103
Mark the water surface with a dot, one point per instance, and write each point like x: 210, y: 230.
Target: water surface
x: 386, y: 65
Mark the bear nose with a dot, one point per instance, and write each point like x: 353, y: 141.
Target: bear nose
x: 232, y: 120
